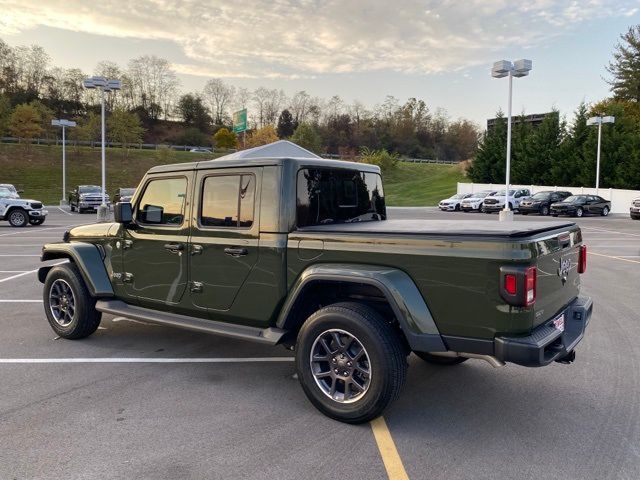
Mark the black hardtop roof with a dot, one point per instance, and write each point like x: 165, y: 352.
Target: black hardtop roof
x: 262, y: 162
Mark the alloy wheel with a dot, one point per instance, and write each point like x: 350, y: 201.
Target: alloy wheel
x: 340, y: 366
x: 62, y: 302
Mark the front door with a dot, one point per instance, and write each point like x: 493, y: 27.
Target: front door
x: 224, y: 235
x: 155, y: 247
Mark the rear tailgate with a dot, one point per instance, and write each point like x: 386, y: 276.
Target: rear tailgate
x: 558, y: 278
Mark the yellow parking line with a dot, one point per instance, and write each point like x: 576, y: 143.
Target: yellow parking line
x: 388, y: 451
x: 611, y: 256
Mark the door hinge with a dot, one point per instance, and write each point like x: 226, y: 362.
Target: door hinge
x: 196, y: 287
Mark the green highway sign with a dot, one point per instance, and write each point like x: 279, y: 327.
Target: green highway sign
x: 240, y: 121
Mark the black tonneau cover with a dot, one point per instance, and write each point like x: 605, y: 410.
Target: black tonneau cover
x: 481, y: 228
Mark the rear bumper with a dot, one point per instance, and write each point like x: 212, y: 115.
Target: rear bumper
x: 546, y: 343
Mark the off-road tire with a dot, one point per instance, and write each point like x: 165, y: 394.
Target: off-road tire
x: 438, y: 360
x: 384, y: 349
x: 86, y: 318
x: 36, y: 221
x: 18, y: 218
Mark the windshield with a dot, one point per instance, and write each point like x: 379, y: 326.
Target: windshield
x: 328, y: 196
x: 541, y: 196
x: 458, y: 196
x: 89, y: 189
x: 6, y: 193
x: 9, y: 187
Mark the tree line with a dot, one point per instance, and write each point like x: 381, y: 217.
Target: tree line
x: 151, y: 107
x: 561, y: 152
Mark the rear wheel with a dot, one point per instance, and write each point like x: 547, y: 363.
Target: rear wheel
x: 544, y: 210
x: 18, y: 218
x: 579, y: 212
x: 605, y: 211
x: 350, y: 361
x: 68, y: 305
x: 438, y: 360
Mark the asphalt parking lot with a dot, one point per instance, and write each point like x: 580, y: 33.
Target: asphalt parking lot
x: 144, y: 401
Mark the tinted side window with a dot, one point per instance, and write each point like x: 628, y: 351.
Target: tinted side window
x: 163, y: 202
x: 326, y: 196
x: 228, y: 201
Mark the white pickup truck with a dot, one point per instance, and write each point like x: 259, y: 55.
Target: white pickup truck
x: 495, y: 203
x: 634, y: 210
x: 19, y: 211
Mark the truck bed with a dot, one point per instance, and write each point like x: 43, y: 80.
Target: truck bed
x: 478, y: 228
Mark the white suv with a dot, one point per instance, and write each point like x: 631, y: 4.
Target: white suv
x: 495, y: 203
x: 475, y: 201
x: 19, y: 211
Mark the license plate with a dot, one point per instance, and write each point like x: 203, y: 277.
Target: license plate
x: 558, y: 323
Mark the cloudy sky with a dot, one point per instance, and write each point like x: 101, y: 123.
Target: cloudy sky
x: 438, y: 50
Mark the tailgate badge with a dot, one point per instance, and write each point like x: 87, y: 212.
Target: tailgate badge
x: 563, y: 269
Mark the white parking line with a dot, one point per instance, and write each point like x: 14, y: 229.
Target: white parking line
x: 19, y: 255
x: 41, y: 230
x: 20, y: 301
x: 148, y: 360
x: 12, y: 271
x: 610, y: 231
x: 23, y: 273
x: 64, y: 211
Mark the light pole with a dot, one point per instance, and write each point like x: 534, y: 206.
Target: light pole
x: 599, y: 121
x: 104, y: 85
x: 64, y: 124
x: 501, y: 69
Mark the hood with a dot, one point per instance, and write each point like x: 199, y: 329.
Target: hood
x: 94, y: 230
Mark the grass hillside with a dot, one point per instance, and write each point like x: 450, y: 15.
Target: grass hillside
x: 38, y: 171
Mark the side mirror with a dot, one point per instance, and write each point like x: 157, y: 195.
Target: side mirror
x: 123, y: 213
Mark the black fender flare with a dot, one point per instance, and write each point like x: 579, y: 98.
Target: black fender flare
x: 406, y: 301
x: 89, y: 261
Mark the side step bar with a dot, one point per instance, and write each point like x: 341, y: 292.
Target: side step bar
x: 269, y: 336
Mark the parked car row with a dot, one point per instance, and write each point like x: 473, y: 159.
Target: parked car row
x: 547, y: 202
x: 89, y: 197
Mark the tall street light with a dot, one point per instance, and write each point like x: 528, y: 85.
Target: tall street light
x: 64, y: 124
x: 501, y: 69
x: 599, y: 121
x: 104, y: 85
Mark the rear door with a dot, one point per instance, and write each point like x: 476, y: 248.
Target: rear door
x: 558, y: 278
x: 154, y: 252
x: 224, y: 235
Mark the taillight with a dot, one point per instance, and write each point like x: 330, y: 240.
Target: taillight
x: 530, y: 285
x: 518, y: 285
x: 582, y: 259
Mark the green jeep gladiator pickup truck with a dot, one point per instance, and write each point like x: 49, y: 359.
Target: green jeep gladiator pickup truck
x: 281, y: 247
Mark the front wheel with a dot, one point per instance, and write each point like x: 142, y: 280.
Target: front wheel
x: 18, y: 218
x: 544, y: 211
x: 605, y: 211
x: 68, y: 305
x: 579, y: 212
x: 350, y: 361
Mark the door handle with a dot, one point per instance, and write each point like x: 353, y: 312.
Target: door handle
x: 174, y: 247
x: 236, y: 251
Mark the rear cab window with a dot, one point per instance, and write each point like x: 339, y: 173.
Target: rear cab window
x: 330, y: 196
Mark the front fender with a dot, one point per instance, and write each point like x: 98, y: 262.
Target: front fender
x: 89, y: 261
x: 403, y: 296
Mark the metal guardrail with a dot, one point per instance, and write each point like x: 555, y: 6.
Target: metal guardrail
x: 155, y: 146
x: 85, y: 143
x: 402, y: 159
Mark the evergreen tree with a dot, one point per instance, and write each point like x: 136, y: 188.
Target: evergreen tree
x: 286, y: 124
x: 625, y: 66
x: 489, y: 163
